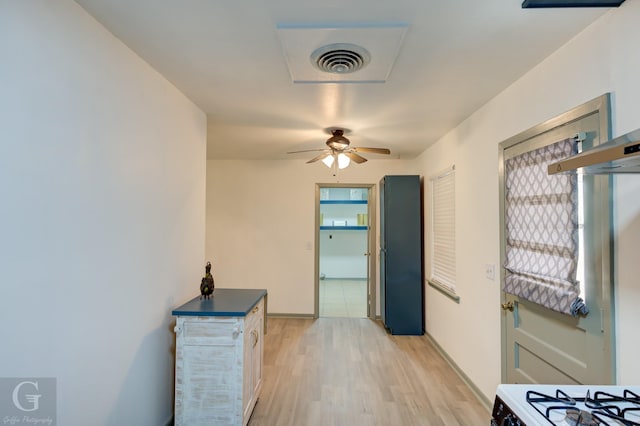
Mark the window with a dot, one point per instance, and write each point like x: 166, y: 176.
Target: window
x: 443, y: 233
x: 542, y: 230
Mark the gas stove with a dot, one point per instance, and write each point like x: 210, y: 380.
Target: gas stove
x: 572, y: 405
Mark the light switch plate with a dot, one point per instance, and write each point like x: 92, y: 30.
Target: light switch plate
x: 490, y: 271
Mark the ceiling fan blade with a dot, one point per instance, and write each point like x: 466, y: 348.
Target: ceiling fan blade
x: 355, y: 157
x: 319, y: 157
x: 372, y: 150
x: 307, y: 150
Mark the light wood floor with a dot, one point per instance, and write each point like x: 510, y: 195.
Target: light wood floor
x: 349, y: 371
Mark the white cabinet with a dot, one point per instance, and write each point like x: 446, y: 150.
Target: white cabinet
x: 252, y: 355
x: 218, y: 365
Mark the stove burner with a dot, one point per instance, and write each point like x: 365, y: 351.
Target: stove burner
x: 577, y: 417
x: 601, y: 409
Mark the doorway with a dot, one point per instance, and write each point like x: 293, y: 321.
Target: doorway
x: 345, y: 235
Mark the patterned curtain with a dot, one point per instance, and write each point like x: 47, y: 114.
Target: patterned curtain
x: 541, y: 220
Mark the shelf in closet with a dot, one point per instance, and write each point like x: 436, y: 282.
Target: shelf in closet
x: 343, y: 201
x: 344, y: 228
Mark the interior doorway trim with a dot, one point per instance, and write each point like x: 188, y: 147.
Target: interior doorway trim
x: 371, y: 244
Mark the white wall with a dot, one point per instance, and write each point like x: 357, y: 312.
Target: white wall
x: 260, y: 224
x: 342, y: 251
x: 102, y: 200
x: 603, y: 58
x: 342, y: 254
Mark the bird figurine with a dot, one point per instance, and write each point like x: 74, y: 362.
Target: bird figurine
x: 207, y: 285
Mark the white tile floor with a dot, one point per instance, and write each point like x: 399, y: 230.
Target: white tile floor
x: 343, y: 298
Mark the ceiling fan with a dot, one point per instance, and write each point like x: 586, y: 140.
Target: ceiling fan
x: 340, y: 151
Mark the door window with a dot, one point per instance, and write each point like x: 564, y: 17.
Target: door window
x: 541, y: 220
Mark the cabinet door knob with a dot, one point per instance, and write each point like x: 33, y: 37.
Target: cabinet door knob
x: 256, y: 309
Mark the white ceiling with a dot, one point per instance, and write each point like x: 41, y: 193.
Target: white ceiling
x: 228, y: 58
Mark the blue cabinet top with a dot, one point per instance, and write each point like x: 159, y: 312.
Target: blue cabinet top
x: 225, y: 302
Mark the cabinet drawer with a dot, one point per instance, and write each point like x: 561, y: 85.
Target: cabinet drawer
x: 215, y: 333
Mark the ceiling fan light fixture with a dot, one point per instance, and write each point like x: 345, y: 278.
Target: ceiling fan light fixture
x: 337, y: 144
x: 343, y: 161
x: 338, y: 141
x: 328, y: 160
x: 340, y: 153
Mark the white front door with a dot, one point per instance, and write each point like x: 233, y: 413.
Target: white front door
x: 543, y: 346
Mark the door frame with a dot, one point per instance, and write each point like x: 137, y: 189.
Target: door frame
x: 371, y: 244
x: 600, y: 105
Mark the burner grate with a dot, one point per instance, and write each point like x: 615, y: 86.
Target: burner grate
x: 577, y: 417
x: 602, y: 409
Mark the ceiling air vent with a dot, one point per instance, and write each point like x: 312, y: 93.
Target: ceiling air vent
x: 340, y: 58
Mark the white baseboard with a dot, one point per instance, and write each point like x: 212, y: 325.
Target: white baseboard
x: 286, y: 315
x: 486, y: 403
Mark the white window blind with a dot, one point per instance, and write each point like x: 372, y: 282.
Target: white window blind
x: 443, y: 229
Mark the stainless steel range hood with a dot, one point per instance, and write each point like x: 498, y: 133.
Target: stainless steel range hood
x: 619, y: 155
